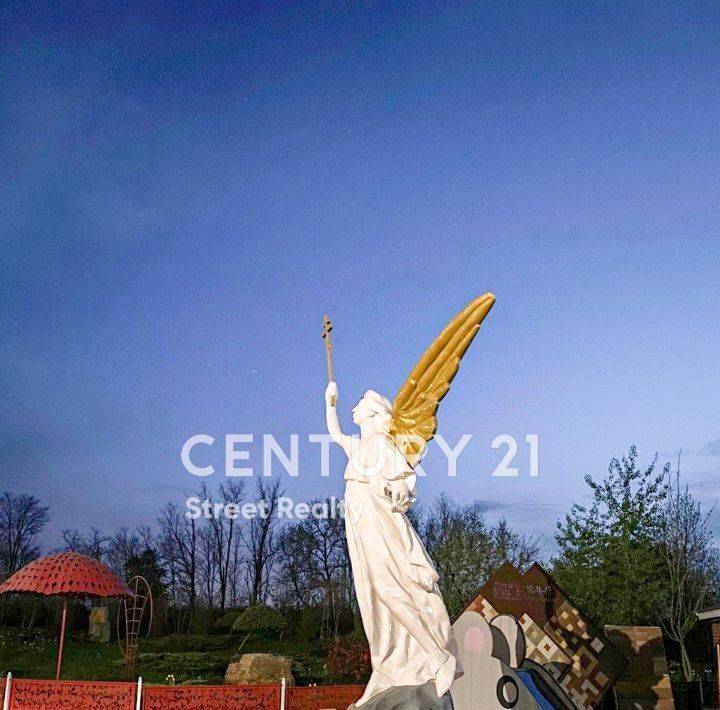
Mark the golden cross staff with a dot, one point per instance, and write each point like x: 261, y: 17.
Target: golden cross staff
x: 327, y: 327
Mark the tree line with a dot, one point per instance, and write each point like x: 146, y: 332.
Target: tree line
x: 641, y: 552
x: 200, y: 569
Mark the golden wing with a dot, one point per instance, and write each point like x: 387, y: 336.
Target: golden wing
x: 414, y: 422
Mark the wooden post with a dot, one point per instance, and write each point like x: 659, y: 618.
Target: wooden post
x: 327, y: 327
x: 717, y: 658
x: 62, y: 639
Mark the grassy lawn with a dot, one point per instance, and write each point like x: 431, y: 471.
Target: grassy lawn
x: 190, y: 659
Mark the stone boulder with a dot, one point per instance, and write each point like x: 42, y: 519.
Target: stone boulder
x: 259, y: 669
x: 99, y: 625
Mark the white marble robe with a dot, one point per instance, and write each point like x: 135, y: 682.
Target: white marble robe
x: 403, y: 613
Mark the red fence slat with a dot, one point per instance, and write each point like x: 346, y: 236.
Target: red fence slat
x: 220, y: 697
x: 71, y: 695
x: 323, y: 696
x: 77, y: 695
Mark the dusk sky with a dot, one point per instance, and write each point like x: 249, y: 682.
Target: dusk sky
x: 186, y: 188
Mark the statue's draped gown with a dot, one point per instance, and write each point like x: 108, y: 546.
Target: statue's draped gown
x: 403, y: 613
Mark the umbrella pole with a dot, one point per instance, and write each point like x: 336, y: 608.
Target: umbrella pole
x: 62, y: 639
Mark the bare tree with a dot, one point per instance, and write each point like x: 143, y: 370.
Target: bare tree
x: 224, y: 529
x: 122, y: 547
x: 466, y: 549
x: 178, y: 546
x: 295, y: 585
x: 260, y: 543
x: 330, y: 565
x: 73, y: 540
x: 236, y: 578
x: 315, y: 567
x: 692, y: 565
x: 147, y: 535
x: 207, y: 566
x: 94, y: 544
x: 22, y: 519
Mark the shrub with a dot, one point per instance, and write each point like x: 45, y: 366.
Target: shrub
x: 178, y: 643
x: 260, y: 619
x: 348, y: 660
x: 227, y: 621
x: 182, y: 664
x: 310, y: 624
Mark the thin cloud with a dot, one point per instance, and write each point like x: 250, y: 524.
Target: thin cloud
x: 712, y: 448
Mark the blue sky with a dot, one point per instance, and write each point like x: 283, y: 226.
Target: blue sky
x: 188, y: 187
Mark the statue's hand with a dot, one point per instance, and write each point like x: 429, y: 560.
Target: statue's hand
x: 331, y: 393
x: 400, y: 496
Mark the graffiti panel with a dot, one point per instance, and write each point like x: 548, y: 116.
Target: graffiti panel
x: 565, y: 661
x: 220, y: 697
x: 323, y: 696
x: 71, y: 695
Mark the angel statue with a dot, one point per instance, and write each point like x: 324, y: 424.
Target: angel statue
x: 405, y: 619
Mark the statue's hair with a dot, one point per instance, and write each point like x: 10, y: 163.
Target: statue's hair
x: 379, y: 406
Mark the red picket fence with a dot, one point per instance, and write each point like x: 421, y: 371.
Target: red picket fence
x: 69, y: 695
x: 80, y: 695
x: 219, y: 697
x: 323, y: 696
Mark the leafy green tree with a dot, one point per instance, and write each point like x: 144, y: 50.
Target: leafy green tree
x: 259, y: 619
x: 227, y: 621
x: 467, y: 549
x: 610, y: 557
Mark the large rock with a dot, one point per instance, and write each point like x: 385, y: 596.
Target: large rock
x: 99, y: 626
x: 259, y: 669
x: 408, y: 697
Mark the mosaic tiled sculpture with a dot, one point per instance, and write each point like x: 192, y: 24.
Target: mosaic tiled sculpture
x: 524, y: 645
x: 645, y: 683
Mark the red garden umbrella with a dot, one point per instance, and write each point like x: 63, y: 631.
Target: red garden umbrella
x: 67, y: 574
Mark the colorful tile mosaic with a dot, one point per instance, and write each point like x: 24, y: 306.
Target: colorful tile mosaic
x: 558, y: 636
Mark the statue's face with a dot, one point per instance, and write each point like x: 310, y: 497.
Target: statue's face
x: 361, y: 412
